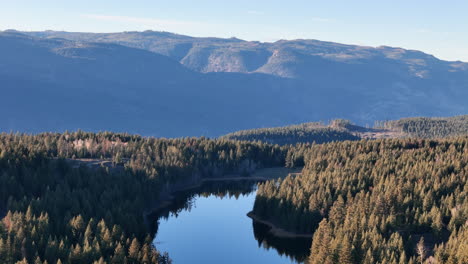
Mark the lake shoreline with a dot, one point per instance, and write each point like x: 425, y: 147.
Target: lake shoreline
x: 167, y: 202
x: 277, y: 231
x: 256, y: 176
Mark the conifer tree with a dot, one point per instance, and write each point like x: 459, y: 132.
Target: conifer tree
x: 346, y: 254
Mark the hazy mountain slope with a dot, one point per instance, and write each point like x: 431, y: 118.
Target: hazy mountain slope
x: 283, y: 58
x: 394, y: 80
x: 56, y: 84
x: 60, y: 84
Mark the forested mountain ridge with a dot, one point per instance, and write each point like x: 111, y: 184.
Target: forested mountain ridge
x: 426, y: 127
x: 302, y: 133
x: 371, y: 201
x: 340, y: 130
x: 163, y: 84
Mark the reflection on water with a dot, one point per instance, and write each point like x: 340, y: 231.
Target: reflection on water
x: 297, y: 249
x: 209, y: 225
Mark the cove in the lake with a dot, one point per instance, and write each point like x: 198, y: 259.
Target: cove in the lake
x: 209, y: 224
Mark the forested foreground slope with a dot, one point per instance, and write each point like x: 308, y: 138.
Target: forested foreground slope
x: 53, y: 211
x: 372, y: 201
x: 367, y: 201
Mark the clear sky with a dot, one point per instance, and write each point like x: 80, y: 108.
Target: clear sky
x: 438, y: 27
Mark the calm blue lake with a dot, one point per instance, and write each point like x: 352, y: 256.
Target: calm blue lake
x: 210, y: 225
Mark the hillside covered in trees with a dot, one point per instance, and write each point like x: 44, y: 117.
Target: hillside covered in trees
x: 53, y: 211
x: 377, y: 201
x: 81, y: 197
x: 302, y: 133
x: 340, y: 130
x: 426, y: 127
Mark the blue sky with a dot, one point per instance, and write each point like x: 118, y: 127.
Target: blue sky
x: 433, y: 26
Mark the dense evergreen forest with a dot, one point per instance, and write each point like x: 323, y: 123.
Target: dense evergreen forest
x: 81, y: 197
x: 426, y: 127
x: 377, y: 201
x: 303, y: 133
x: 54, y: 211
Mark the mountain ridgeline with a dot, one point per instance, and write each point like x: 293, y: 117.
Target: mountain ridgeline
x: 236, y: 55
x: 163, y: 84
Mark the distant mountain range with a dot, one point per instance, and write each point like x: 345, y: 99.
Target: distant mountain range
x: 164, y: 84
